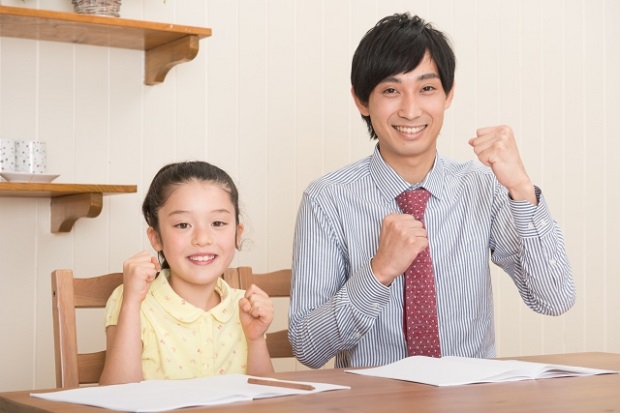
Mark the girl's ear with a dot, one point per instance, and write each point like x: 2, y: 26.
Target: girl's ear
x: 238, y: 236
x: 154, y: 239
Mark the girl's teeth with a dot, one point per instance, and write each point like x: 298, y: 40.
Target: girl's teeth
x: 202, y: 258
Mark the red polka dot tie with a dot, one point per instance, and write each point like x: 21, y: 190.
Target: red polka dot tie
x: 420, y: 312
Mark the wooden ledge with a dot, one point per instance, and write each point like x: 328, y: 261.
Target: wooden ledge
x: 69, y: 202
x: 165, y: 45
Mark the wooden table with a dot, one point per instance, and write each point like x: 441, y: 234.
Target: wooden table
x: 371, y: 394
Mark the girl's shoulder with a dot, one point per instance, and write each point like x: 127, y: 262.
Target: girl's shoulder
x: 226, y: 291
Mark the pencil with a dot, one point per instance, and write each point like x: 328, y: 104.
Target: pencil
x: 276, y: 383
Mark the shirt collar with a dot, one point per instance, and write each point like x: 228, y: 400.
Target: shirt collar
x: 390, y: 184
x: 180, y: 309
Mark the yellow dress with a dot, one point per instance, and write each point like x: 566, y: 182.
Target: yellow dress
x: 181, y: 341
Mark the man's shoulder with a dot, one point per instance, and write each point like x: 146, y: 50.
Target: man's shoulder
x: 345, y: 176
x: 465, y: 168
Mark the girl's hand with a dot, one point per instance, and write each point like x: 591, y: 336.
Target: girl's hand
x: 256, y: 313
x: 139, y: 272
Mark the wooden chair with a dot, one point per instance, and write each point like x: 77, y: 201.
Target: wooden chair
x: 276, y: 284
x: 68, y: 294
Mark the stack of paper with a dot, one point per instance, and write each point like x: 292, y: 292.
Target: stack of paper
x: 453, y: 371
x: 162, y: 395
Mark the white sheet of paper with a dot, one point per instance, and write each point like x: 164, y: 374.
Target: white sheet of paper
x: 162, y: 395
x: 453, y: 371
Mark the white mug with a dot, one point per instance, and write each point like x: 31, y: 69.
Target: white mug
x: 7, y: 155
x: 30, y: 157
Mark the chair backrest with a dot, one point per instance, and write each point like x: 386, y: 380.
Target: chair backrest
x: 69, y: 293
x: 276, y: 284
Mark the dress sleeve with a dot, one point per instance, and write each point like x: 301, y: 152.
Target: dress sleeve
x: 113, y: 307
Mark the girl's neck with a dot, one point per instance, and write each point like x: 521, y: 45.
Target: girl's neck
x: 204, y: 297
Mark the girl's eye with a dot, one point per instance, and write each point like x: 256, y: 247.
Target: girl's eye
x: 182, y: 225
x: 219, y: 223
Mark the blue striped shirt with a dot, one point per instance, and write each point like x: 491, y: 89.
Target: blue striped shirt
x: 339, y: 309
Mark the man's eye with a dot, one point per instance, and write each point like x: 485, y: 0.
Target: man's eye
x: 182, y: 225
x: 389, y: 91
x: 428, y: 88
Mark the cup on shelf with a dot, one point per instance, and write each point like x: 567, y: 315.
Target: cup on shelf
x: 30, y: 157
x: 7, y: 155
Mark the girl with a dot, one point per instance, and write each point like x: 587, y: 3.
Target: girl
x: 180, y: 319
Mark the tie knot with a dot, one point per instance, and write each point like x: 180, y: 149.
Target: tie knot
x: 414, y: 202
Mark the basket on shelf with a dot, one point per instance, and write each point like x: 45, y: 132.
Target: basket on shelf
x: 98, y: 7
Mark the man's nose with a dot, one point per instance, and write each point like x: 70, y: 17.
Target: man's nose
x: 409, y: 108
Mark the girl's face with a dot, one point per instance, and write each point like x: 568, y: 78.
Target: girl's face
x: 198, y: 234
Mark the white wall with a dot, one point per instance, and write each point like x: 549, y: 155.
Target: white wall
x: 267, y: 99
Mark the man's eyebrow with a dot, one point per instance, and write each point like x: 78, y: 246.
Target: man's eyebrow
x: 425, y: 76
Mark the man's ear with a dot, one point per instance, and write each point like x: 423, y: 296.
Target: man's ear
x: 363, y: 108
x: 450, y: 97
x: 154, y: 239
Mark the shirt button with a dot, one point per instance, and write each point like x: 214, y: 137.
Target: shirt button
x: 357, y: 335
x: 530, y: 226
x: 552, y: 261
x: 543, y: 223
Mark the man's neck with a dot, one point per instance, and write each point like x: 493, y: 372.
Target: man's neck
x: 412, y: 170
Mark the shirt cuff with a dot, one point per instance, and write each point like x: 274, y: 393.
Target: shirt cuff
x: 532, y: 220
x: 366, y: 293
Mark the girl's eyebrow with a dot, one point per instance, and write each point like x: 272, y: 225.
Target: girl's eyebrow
x: 222, y: 211
x: 177, y: 212
x: 216, y: 211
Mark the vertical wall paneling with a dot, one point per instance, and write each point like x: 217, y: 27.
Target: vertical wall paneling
x: 222, y: 88
x: 573, y: 47
x: 280, y: 197
x: 309, y: 86
x: 611, y: 155
x: 553, y: 140
x: 595, y: 175
x: 253, y: 111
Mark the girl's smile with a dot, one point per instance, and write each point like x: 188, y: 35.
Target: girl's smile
x: 198, y: 235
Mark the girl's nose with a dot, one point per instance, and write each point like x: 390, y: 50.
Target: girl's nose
x: 202, y: 237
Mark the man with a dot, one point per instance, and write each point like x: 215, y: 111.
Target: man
x: 353, y: 243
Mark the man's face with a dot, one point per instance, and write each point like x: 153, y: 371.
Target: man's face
x: 406, y: 111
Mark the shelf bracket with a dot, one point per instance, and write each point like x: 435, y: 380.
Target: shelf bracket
x: 67, y: 209
x: 159, y: 60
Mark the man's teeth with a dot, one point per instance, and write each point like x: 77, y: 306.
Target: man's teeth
x: 411, y: 130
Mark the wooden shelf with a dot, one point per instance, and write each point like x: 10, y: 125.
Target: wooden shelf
x: 69, y: 202
x: 165, y: 45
